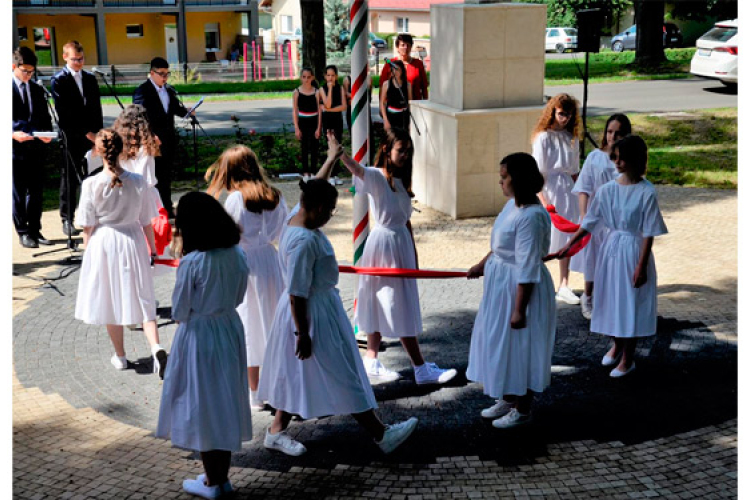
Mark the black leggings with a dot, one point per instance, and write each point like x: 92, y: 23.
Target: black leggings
x: 308, y: 126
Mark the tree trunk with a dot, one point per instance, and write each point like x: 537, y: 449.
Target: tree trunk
x: 649, y: 17
x: 313, y: 36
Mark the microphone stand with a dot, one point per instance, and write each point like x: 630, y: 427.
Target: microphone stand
x: 193, y: 123
x: 109, y: 87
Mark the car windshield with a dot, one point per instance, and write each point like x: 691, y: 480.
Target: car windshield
x: 571, y: 31
x: 720, y: 34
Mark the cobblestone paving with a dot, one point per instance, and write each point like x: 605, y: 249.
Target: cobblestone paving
x: 84, y: 430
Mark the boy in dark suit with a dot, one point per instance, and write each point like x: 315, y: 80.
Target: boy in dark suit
x: 79, y: 109
x: 30, y: 115
x: 162, y: 105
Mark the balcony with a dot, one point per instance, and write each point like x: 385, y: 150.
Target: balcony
x: 53, y: 3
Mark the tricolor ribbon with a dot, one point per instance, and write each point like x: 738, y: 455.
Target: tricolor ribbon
x: 565, y: 226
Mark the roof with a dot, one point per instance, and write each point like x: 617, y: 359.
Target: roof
x: 407, y: 4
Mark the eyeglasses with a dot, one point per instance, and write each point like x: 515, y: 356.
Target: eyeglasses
x: 27, y: 71
x: 163, y: 74
x: 75, y: 59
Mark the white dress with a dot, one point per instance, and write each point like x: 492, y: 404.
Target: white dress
x: 204, y: 403
x: 597, y: 170
x: 116, y: 285
x: 631, y: 212
x: 333, y: 380
x: 264, y: 284
x: 145, y: 166
x: 556, y: 155
x: 505, y: 360
x: 387, y: 305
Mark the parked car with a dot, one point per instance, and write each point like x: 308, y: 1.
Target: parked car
x: 625, y: 40
x: 716, y: 56
x: 285, y: 39
x: 375, y: 42
x: 561, y: 39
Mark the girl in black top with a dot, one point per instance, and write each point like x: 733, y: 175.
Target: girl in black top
x: 394, y: 99
x: 307, y: 121
x: 332, y: 103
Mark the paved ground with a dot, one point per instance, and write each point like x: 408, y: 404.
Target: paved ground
x: 84, y: 430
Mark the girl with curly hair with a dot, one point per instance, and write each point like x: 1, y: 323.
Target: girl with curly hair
x: 555, y: 149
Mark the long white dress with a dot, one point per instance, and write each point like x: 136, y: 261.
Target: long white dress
x: 631, y: 212
x: 506, y: 360
x: 556, y: 155
x: 204, y: 403
x: 116, y: 285
x: 387, y: 305
x: 264, y: 284
x: 597, y: 170
x: 333, y: 380
x: 145, y: 165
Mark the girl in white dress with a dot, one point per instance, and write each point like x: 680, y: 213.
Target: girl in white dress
x: 116, y: 286
x: 555, y: 149
x: 312, y: 366
x: 390, y: 306
x: 597, y: 170
x: 204, y: 402
x: 260, y: 210
x: 514, y: 331
x: 625, y: 279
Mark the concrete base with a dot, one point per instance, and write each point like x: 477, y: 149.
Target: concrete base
x: 457, y: 156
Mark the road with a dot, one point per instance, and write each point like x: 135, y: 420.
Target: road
x: 603, y: 99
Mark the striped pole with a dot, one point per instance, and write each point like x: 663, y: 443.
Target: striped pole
x: 359, y: 43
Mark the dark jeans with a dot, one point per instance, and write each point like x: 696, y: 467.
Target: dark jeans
x: 27, y: 195
x: 309, y: 143
x: 68, y: 212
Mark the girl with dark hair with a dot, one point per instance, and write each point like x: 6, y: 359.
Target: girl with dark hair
x: 514, y: 331
x: 312, y: 366
x: 395, y: 95
x: 415, y: 72
x: 625, y: 278
x: 597, y: 170
x: 390, y: 306
x: 555, y: 149
x: 116, y: 286
x: 307, y: 120
x: 332, y: 104
x: 204, y: 403
x: 259, y: 209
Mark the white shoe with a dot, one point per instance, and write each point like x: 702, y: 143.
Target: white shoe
x: 430, y: 373
x: 608, y: 360
x: 513, y: 419
x: 498, y: 410
x: 615, y: 373
x: 283, y: 443
x: 566, y: 295
x: 119, y: 362
x: 586, y: 306
x: 198, y: 487
x: 377, y: 371
x: 255, y: 403
x: 396, y: 434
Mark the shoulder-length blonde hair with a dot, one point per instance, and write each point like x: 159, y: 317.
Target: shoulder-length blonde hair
x: 569, y: 104
x: 238, y: 169
x: 132, y: 125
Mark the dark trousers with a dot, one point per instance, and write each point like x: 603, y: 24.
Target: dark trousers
x: 308, y: 126
x: 27, y: 196
x: 68, y: 212
x: 163, y: 166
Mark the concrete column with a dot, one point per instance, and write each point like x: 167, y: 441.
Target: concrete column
x: 102, y: 58
x: 182, y: 38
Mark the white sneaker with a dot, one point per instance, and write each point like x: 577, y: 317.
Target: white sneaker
x: 430, y: 373
x: 255, y: 403
x: 586, y: 306
x: 119, y: 362
x: 396, y: 434
x: 377, y: 371
x: 566, y: 295
x: 498, y: 410
x: 226, y: 487
x: 283, y: 443
x: 198, y: 487
x: 512, y: 419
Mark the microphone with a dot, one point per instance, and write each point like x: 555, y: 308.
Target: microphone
x: 389, y: 62
x: 41, y: 85
x: 97, y: 71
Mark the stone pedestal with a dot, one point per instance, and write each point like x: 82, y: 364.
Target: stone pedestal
x: 486, y: 95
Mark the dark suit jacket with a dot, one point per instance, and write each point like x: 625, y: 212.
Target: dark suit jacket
x: 76, y: 118
x: 38, y: 121
x: 162, y: 123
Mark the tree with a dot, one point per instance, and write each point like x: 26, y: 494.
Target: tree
x: 649, y: 42
x: 563, y: 12
x: 337, y: 20
x: 313, y: 36
x: 707, y: 9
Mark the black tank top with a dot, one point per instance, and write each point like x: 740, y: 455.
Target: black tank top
x: 333, y: 119
x: 395, y: 103
x: 307, y: 105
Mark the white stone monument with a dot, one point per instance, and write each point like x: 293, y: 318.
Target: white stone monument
x: 486, y: 95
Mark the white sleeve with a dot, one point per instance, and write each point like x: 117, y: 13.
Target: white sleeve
x: 652, y: 222
x: 585, y: 182
x: 539, y: 152
x: 234, y: 206
x: 530, y: 233
x: 370, y: 183
x: 301, y: 262
x: 86, y: 213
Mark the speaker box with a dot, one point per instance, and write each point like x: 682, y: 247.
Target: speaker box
x: 590, y: 22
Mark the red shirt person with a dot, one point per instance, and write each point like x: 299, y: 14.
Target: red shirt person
x: 415, y: 73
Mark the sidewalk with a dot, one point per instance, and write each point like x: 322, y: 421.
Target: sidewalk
x: 84, y: 430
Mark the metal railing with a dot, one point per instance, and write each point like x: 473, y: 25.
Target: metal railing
x: 139, y: 3
x: 215, y: 2
x: 53, y: 3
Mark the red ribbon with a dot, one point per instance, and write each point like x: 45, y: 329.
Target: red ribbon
x: 565, y: 226
x: 168, y: 262
x: 394, y: 272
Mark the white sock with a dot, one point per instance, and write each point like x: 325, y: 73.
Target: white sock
x: 156, y: 348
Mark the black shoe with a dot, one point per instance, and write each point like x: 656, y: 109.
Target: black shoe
x: 28, y: 242
x: 160, y: 362
x: 69, y: 229
x: 42, y: 240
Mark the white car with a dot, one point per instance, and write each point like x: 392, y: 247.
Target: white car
x: 561, y: 39
x: 716, y: 54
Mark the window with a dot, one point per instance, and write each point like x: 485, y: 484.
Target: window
x: 286, y: 24
x: 213, y: 40
x: 402, y: 24
x: 23, y: 34
x: 134, y: 30
x: 553, y: 33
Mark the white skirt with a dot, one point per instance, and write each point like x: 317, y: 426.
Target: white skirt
x: 333, y: 380
x: 388, y: 305
x: 116, y: 285
x: 505, y: 360
x: 558, y: 189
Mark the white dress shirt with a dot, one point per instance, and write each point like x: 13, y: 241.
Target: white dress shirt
x: 163, y: 95
x: 78, y: 77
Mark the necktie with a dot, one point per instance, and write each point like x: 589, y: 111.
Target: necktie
x: 25, y: 98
